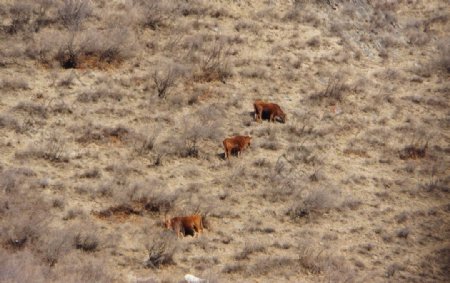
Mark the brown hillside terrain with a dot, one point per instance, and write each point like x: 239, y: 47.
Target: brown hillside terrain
x: 113, y: 114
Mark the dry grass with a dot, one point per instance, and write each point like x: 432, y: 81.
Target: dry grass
x: 96, y: 157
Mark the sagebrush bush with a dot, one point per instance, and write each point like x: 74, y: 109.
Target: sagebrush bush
x: 55, y: 244
x: 24, y: 219
x: 21, y: 266
x: 79, y: 266
x: 442, y: 61
x: 249, y: 248
x: 20, y: 13
x: 154, y: 14
x: 102, y: 93
x: 51, y: 147
x: 14, y: 83
x: 214, y: 65
x: 32, y: 109
x: 161, y: 249
x: 91, y: 48
x: 165, y: 78
x: 334, y: 92
x: 72, y: 13
x: 316, y: 201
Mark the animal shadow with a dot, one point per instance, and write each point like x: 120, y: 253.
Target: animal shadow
x: 234, y: 152
x: 265, y: 115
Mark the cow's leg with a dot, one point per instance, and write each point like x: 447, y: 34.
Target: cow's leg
x: 272, y: 117
x: 257, y: 113
x: 196, y: 231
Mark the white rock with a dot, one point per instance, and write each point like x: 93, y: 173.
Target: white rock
x: 193, y: 279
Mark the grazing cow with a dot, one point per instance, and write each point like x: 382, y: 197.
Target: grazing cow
x: 236, y: 144
x: 183, y: 225
x: 270, y: 109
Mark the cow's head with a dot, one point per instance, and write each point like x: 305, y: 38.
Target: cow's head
x: 168, y: 223
x: 248, y: 139
x: 282, y: 116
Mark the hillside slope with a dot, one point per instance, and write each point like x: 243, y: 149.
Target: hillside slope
x: 112, y: 116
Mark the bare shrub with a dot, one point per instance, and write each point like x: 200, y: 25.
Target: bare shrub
x: 161, y: 249
x: 51, y: 147
x: 302, y: 15
x: 351, y: 203
x: 271, y: 145
x: 73, y: 213
x: 319, y: 261
x: 214, y: 65
x: 21, y: 266
x: 249, y: 249
x: 91, y: 173
x: 14, y: 83
x: 14, y: 178
x: 93, y: 133
x: 393, y: 268
x: 334, y: 91
x: 245, y: 25
x: 314, y: 42
x: 68, y: 52
x: 193, y: 8
x: 442, y: 62
x: 54, y: 244
x: 317, y: 201
x: 32, y: 109
x: 72, y: 13
x: 101, y: 48
x: 58, y: 203
x: 166, y: 79
x: 87, y: 241
x: 417, y: 37
x: 92, y: 48
x: 436, y: 184
x: 24, y: 220
x: 145, y: 141
x: 67, y: 80
x: 61, y: 107
x: 20, y: 13
x: 78, y: 266
x: 414, y: 150
x: 390, y: 41
x: 9, y: 122
x: 100, y: 94
x: 254, y: 72
x: 154, y: 14
x: 271, y: 264
x: 150, y: 195
x: 195, y: 129
x: 233, y: 268
x: 403, y: 232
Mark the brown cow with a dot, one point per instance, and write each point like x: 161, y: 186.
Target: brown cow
x: 236, y: 144
x: 183, y: 225
x: 273, y: 110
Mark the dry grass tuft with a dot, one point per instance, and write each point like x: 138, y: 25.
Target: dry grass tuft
x: 414, y: 151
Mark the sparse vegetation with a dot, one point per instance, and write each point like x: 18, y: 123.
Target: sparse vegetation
x: 113, y: 116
